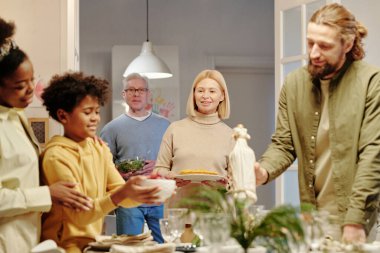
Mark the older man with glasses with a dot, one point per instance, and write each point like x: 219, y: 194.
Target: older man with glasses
x: 138, y: 132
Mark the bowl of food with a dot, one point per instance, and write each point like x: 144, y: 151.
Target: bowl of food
x: 167, y: 186
x: 130, y: 165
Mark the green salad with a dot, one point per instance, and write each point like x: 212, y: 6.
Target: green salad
x: 130, y: 165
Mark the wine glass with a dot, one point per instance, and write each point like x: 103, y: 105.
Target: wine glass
x: 166, y: 230
x: 215, y: 229
x: 176, y: 218
x: 314, y: 230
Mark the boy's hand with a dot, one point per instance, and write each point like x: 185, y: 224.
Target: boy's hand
x: 142, y: 194
x: 64, y: 194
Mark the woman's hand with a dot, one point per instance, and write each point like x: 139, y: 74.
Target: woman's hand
x: 64, y: 193
x: 220, y: 182
x: 163, y: 173
x: 181, y: 182
x: 99, y: 140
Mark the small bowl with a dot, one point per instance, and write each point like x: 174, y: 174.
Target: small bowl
x: 167, y: 187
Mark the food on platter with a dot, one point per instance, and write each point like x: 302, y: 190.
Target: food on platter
x: 197, y: 171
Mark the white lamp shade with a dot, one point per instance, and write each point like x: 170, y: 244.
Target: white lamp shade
x: 148, y: 64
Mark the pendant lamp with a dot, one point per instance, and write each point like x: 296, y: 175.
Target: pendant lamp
x: 148, y: 63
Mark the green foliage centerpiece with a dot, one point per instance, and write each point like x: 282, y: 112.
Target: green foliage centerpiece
x: 277, y: 230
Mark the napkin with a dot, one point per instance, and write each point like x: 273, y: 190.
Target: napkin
x: 48, y: 246
x: 143, y: 238
x: 158, y: 248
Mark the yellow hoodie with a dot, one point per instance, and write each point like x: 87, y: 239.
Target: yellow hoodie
x: 90, y: 165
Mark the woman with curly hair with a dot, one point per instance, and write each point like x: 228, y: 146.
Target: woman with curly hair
x: 21, y: 196
x: 74, y: 100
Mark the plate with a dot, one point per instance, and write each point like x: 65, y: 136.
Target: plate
x: 232, y: 249
x: 100, y: 246
x: 197, y: 178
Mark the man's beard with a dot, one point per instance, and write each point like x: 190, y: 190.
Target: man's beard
x: 320, y: 72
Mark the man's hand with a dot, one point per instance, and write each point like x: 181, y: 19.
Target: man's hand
x: 64, y: 194
x: 126, y: 175
x: 353, y: 233
x: 261, y: 174
x: 147, y: 169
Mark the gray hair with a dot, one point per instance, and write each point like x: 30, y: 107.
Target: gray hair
x: 135, y: 76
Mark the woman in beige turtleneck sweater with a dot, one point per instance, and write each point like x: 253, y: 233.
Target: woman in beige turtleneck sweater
x: 201, y: 140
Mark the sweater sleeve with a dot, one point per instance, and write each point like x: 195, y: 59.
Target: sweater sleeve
x: 16, y: 201
x: 165, y: 154
x: 363, y: 202
x: 280, y: 153
x: 57, y: 168
x: 107, y: 135
x: 115, y: 180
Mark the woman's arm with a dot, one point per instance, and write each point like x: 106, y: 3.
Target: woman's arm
x: 64, y: 193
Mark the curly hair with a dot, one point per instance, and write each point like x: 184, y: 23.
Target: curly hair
x: 68, y: 90
x: 338, y: 17
x: 10, y: 62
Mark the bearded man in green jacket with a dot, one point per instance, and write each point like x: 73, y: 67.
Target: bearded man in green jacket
x: 329, y: 119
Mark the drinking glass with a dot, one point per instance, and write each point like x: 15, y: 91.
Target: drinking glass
x: 257, y: 211
x: 176, y: 218
x: 314, y: 230
x: 215, y: 229
x: 166, y: 230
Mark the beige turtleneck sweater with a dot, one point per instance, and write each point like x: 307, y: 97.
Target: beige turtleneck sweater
x: 201, y: 142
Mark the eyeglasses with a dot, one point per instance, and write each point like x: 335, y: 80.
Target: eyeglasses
x: 131, y: 91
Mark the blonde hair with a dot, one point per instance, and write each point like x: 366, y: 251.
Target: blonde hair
x: 223, y: 107
x: 338, y: 17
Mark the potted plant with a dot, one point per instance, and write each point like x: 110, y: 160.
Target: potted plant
x: 279, y: 230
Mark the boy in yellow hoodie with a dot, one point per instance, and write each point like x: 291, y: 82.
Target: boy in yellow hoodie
x: 74, y: 100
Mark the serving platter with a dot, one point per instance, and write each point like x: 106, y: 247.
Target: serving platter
x: 197, y: 178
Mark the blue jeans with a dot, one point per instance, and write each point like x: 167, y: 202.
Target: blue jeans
x: 130, y: 221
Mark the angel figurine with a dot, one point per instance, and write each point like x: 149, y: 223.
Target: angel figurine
x: 242, y: 160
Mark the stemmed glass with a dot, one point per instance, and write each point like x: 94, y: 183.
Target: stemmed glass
x: 314, y: 230
x: 176, y: 217
x: 166, y: 230
x: 173, y: 226
x: 215, y: 229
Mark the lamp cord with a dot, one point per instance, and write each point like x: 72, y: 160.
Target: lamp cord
x: 147, y: 20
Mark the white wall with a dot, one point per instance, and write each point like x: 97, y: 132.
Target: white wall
x: 371, y: 20
x: 40, y: 33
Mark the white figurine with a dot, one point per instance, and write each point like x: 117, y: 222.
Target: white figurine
x: 242, y: 160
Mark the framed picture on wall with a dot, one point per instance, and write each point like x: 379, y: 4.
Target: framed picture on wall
x: 40, y: 128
